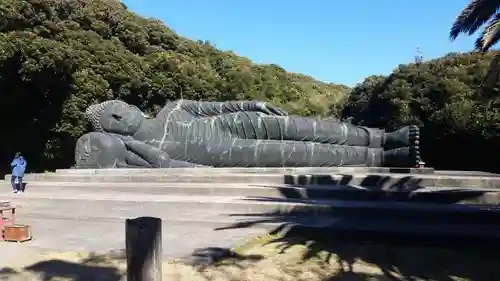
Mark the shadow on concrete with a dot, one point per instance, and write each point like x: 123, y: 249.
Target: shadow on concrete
x: 376, y: 187
x: 343, y: 204
x: 375, y: 181
x: 448, y: 196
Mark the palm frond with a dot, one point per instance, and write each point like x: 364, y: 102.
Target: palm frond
x: 477, y: 13
x: 490, y: 35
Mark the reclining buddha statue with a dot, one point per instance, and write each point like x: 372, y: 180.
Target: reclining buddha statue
x: 188, y: 133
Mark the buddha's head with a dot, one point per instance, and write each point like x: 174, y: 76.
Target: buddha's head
x: 115, y: 116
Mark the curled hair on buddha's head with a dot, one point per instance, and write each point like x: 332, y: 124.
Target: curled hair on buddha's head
x: 94, y: 112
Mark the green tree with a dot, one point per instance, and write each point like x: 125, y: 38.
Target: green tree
x: 57, y: 57
x: 460, y: 126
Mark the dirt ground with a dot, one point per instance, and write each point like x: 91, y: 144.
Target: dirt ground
x: 275, y: 262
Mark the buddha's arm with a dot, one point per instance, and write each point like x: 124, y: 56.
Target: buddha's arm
x: 206, y: 109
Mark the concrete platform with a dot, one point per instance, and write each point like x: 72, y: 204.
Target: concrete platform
x: 86, y: 209
x: 225, y: 209
x: 337, y: 192
x: 282, y: 171
x: 94, y: 221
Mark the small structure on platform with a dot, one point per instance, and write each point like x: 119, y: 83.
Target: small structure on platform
x: 420, y: 165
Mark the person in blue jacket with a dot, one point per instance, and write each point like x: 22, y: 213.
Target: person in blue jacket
x: 18, y: 168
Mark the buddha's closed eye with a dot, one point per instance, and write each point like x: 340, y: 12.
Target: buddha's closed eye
x: 117, y: 117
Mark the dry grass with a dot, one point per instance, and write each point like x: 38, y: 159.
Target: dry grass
x: 310, y: 262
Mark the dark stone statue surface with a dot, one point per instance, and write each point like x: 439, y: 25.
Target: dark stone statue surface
x: 189, y: 133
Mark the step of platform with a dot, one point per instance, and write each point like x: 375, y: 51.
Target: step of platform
x: 225, y: 209
x: 282, y: 171
x: 276, y: 171
x: 153, y: 177
x: 338, y: 192
x: 371, y: 180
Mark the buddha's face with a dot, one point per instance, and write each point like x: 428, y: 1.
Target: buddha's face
x: 121, y: 118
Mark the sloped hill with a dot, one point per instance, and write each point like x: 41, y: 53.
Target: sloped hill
x: 58, y: 56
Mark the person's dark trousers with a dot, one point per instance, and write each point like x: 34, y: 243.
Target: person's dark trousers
x: 17, y: 183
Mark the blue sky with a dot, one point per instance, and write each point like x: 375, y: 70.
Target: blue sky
x: 333, y: 41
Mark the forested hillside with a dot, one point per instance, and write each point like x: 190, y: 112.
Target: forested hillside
x: 460, y: 119
x: 57, y: 57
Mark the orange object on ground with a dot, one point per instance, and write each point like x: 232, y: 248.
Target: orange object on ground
x: 17, y: 233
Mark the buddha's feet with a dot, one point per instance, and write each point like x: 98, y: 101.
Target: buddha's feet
x: 402, y: 157
x: 408, y: 136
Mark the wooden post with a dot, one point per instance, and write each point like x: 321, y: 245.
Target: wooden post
x: 143, y: 247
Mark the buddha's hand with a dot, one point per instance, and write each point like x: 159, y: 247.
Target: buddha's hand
x: 269, y: 109
x: 131, y: 144
x: 152, y: 155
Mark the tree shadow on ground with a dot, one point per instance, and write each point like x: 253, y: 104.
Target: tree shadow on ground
x: 6, y: 273
x: 409, y: 261
x: 93, y: 267
x: 204, y: 257
x: 111, y: 267
x: 376, y: 258
x: 390, y: 231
